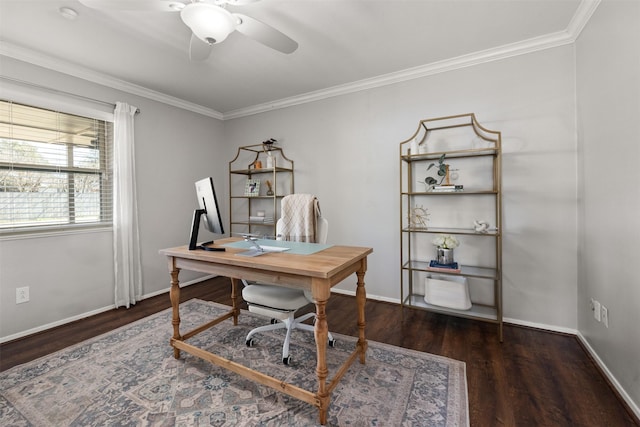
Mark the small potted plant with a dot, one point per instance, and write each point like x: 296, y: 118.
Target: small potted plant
x: 443, y: 169
x: 445, y: 244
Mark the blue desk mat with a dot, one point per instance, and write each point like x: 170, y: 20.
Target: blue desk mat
x: 297, y: 248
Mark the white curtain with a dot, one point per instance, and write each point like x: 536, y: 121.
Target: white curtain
x: 126, y: 241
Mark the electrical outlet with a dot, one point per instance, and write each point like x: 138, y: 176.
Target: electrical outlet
x: 605, y: 316
x: 22, y: 295
x: 596, y: 310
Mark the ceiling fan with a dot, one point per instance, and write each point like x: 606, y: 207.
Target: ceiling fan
x: 209, y: 20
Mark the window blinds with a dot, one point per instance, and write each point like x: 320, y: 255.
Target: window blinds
x: 54, y: 168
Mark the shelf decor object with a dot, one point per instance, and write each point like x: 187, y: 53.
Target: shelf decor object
x: 445, y: 245
x: 418, y: 217
x: 270, y: 188
x: 249, y: 211
x: 470, y: 284
x: 444, y: 255
x: 447, y: 291
x: 480, y: 226
x: 252, y: 188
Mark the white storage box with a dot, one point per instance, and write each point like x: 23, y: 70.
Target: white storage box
x: 447, y: 291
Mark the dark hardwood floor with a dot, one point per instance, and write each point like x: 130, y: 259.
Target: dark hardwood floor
x: 533, y: 378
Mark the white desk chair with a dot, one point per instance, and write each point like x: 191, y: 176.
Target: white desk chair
x: 281, y: 304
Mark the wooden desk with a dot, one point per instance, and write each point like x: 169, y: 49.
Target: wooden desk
x: 316, y: 272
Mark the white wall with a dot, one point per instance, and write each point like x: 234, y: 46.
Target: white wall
x: 72, y: 275
x: 608, y: 89
x: 346, y: 152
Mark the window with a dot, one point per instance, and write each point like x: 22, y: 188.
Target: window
x: 54, y: 169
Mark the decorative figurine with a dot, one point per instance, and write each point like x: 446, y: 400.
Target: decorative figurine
x: 268, y: 144
x: 418, y: 217
x: 270, y: 189
x: 480, y: 226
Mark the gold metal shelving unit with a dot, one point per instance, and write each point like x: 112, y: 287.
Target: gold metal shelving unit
x: 242, y: 207
x: 461, y: 139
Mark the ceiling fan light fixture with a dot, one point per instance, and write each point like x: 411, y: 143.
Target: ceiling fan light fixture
x: 210, y: 23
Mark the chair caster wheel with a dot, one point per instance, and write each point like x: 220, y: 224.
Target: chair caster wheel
x: 286, y: 360
x: 249, y: 342
x: 332, y: 343
x: 274, y: 321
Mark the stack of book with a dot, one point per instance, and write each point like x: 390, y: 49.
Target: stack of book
x: 444, y: 268
x: 447, y: 187
x: 265, y: 219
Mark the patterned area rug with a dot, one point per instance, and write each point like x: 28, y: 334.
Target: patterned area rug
x: 128, y: 377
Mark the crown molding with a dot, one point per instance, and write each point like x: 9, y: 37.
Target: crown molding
x: 585, y: 10
x: 583, y: 14
x: 464, y: 61
x: 42, y: 60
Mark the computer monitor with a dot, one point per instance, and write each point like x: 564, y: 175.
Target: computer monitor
x: 209, y: 211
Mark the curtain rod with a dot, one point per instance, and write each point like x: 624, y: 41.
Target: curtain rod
x: 37, y: 86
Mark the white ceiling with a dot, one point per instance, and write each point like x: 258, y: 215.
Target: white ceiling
x: 343, y: 45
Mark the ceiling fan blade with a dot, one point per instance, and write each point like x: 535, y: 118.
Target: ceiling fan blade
x: 141, y: 5
x: 265, y: 34
x: 198, y: 49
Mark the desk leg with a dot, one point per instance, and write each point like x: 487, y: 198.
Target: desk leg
x: 361, y: 298
x: 321, y: 334
x: 234, y: 300
x: 174, y: 295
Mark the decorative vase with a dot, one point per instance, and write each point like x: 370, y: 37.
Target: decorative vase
x: 444, y: 255
x: 414, y: 147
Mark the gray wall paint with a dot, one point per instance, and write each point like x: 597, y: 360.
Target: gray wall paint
x: 608, y: 89
x: 70, y: 275
x: 346, y: 152
x: 346, y: 149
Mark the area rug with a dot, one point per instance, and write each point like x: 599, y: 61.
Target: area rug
x: 129, y: 377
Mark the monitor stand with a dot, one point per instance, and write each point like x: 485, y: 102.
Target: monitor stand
x: 195, y: 227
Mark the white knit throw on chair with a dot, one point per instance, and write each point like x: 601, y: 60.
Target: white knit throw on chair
x: 299, y: 213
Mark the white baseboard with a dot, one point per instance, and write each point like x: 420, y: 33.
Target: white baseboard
x: 90, y: 313
x: 182, y: 285
x: 54, y: 324
x: 519, y: 322
x: 542, y: 326
x: 373, y: 297
x: 625, y: 396
x: 634, y: 407
x: 202, y: 279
